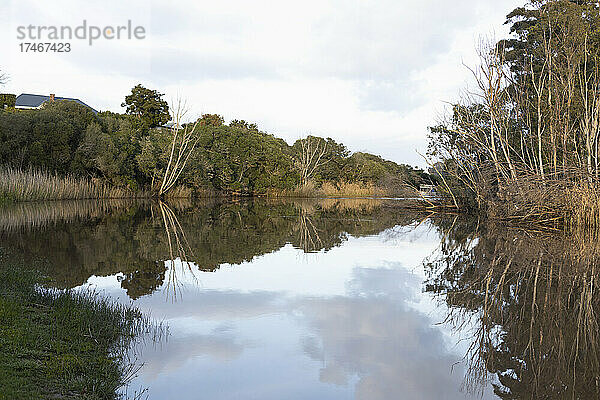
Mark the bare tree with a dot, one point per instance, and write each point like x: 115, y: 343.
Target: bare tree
x: 3, y: 78
x: 183, y: 141
x: 312, y: 157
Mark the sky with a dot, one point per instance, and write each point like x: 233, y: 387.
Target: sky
x: 372, y: 74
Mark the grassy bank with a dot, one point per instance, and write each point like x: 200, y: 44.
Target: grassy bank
x: 342, y: 189
x: 18, y: 185
x: 62, y: 345
x: 32, y: 185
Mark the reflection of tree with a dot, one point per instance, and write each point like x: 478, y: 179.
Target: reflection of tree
x: 178, y: 248
x: 307, y: 233
x: 531, y: 299
x: 138, y: 239
x: 146, y: 278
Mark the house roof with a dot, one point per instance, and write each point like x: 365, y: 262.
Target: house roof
x: 36, y: 100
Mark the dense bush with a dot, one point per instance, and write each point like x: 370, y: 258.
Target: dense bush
x: 7, y: 100
x: 67, y: 138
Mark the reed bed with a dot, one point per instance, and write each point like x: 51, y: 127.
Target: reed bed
x: 352, y: 189
x: 583, y: 208
x: 35, y: 215
x: 557, y: 203
x: 32, y: 185
x: 328, y: 189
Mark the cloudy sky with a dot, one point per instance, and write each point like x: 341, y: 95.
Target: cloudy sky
x: 372, y: 74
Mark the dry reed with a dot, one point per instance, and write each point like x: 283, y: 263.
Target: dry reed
x: 328, y: 189
x: 351, y: 189
x: 32, y: 185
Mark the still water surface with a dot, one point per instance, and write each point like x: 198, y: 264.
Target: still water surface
x: 329, y: 299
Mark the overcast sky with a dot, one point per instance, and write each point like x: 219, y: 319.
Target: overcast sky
x: 372, y: 74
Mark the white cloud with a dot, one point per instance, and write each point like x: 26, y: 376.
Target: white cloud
x: 371, y: 74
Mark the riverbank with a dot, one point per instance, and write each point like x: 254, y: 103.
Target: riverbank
x: 34, y: 185
x: 61, y: 344
x: 18, y: 185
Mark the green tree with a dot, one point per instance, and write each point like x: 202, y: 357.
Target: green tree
x: 45, y: 138
x: 236, y: 123
x: 211, y: 120
x: 147, y: 106
x: 319, y: 159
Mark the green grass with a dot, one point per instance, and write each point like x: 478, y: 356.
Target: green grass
x: 61, y: 344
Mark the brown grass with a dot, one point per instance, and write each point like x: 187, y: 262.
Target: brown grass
x: 328, y: 189
x: 351, y: 189
x: 583, y: 205
x: 557, y: 203
x: 32, y: 185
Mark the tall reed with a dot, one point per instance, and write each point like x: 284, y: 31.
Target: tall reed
x: 328, y: 189
x: 351, y: 189
x: 31, y: 185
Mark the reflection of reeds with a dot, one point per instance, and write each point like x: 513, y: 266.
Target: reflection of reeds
x: 311, y: 206
x: 530, y: 301
x: 350, y: 204
x: 33, y: 215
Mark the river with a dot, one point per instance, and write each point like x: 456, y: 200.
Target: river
x: 328, y: 299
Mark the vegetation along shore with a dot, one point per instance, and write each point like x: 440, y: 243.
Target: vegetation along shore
x: 523, y: 146
x: 65, y: 150
x: 62, y: 344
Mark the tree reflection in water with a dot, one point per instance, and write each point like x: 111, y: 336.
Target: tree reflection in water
x: 149, y: 244
x: 179, y: 249
x: 531, y: 297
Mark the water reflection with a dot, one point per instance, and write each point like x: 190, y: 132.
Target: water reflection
x: 143, y: 241
x: 275, y: 299
x: 373, y: 335
x: 533, y: 298
x: 259, y: 331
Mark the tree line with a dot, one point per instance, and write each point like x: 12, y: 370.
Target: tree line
x: 151, y: 148
x: 525, y: 142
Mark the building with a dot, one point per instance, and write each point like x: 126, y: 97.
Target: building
x: 427, y: 190
x: 27, y: 101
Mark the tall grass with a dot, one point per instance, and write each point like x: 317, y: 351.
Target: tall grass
x: 31, y: 185
x: 328, y: 189
x: 559, y: 203
x: 352, y: 189
x: 583, y: 206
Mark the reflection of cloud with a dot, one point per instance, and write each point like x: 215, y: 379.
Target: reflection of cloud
x: 173, y: 355
x: 216, y: 305
x: 375, y: 337
x: 221, y: 344
x: 369, y: 338
x: 393, y: 282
